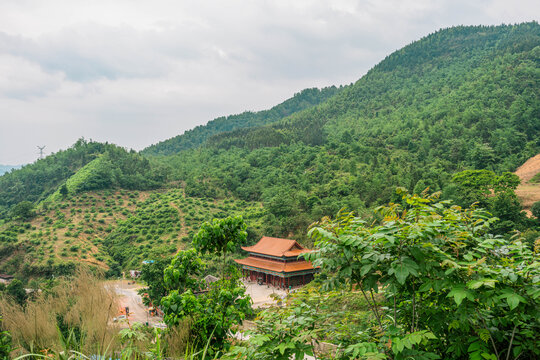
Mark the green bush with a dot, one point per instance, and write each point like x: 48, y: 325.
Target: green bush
x: 535, y: 209
x: 451, y: 289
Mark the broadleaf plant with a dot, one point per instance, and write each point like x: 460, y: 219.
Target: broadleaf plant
x: 444, y: 278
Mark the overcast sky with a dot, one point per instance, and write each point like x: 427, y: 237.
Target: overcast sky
x: 135, y: 72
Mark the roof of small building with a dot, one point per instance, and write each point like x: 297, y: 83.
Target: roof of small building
x: 276, y: 266
x: 210, y: 279
x: 276, y: 247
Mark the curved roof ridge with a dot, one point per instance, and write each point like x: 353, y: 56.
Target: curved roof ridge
x: 273, y: 246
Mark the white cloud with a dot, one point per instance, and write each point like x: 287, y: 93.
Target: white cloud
x: 135, y: 72
x: 24, y: 79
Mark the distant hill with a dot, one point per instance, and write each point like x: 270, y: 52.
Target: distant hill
x: 6, y: 168
x: 198, y: 136
x: 529, y: 189
x: 84, y: 166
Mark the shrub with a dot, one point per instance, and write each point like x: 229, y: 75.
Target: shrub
x: 535, y: 209
x: 451, y: 289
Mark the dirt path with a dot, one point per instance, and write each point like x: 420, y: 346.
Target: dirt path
x: 128, y: 297
x: 528, y: 193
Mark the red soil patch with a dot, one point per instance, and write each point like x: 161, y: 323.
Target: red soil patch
x: 529, y: 169
x: 528, y: 193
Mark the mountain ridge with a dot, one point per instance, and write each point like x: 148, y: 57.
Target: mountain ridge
x: 197, y: 136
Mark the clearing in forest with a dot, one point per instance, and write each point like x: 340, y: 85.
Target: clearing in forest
x: 528, y: 191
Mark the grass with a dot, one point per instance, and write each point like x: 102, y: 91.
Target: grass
x: 80, y: 303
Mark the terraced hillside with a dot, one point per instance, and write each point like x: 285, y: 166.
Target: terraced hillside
x: 458, y: 99
x: 112, y: 230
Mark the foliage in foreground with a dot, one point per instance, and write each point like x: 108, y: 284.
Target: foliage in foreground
x: 213, y: 310
x: 281, y: 334
x: 452, y: 290
x: 79, y: 309
x: 438, y: 284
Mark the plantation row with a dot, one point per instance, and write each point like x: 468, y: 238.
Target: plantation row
x: 114, y: 230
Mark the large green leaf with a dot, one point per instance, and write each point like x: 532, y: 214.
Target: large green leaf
x: 512, y: 298
x: 459, y: 293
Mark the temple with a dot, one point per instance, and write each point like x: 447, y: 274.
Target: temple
x: 276, y: 261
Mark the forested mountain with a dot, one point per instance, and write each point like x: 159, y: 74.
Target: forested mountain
x: 197, y: 136
x: 97, y: 165
x: 459, y: 99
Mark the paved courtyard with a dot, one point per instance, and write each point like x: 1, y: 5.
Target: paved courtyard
x: 261, y: 294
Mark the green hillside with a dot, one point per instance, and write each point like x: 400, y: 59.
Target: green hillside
x: 111, y: 229
x: 84, y: 166
x: 194, y: 138
x: 461, y: 98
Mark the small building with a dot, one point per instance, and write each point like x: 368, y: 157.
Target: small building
x: 134, y: 273
x: 276, y: 262
x: 209, y: 279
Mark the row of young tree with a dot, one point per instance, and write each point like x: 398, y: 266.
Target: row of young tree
x: 87, y: 165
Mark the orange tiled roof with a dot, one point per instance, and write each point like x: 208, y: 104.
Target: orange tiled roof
x: 276, y: 247
x: 295, y: 252
x: 276, y: 266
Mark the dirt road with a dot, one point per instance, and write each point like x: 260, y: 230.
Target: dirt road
x: 128, y: 297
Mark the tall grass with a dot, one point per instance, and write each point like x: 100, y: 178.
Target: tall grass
x: 80, y: 306
x: 177, y: 339
x: 73, y: 320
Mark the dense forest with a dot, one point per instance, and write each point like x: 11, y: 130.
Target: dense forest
x: 458, y: 107
x: 198, y: 136
x: 461, y: 98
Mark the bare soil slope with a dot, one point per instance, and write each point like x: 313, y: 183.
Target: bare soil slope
x: 528, y: 192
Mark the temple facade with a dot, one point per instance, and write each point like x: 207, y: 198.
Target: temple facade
x: 276, y: 261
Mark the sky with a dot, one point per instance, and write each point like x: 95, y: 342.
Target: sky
x: 136, y: 72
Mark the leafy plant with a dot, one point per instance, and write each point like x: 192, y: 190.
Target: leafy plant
x: 221, y: 236
x: 281, y: 334
x: 5, y: 344
x: 212, y: 311
x: 450, y: 288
